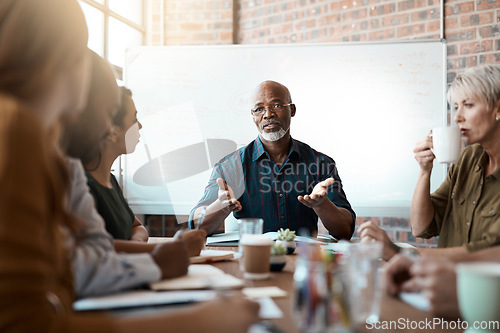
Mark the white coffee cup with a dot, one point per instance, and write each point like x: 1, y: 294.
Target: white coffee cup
x: 255, y: 257
x: 478, y: 288
x: 447, y: 143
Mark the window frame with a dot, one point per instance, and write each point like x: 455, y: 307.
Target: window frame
x: 107, y: 13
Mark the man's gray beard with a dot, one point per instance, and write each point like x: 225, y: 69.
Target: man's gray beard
x: 273, y: 136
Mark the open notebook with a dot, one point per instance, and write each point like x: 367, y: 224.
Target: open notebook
x: 200, y: 277
x: 193, y: 287
x: 232, y: 238
x: 208, y: 256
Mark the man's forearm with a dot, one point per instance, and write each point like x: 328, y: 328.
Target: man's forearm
x: 215, y: 216
x: 338, y: 221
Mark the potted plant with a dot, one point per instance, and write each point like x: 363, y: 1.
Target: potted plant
x: 287, y: 238
x: 278, y: 257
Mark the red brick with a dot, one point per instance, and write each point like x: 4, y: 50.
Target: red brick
x: 489, y: 31
x: 488, y: 58
x: 191, y: 5
x: 362, y: 219
x: 192, y: 26
x: 476, y: 19
x: 392, y: 222
x: 487, y: 5
x: 486, y: 45
x: 406, y: 5
x: 382, y: 35
x: 472, y: 61
x: 458, y: 8
x: 451, y: 23
x: 226, y: 36
x: 433, y: 26
x: 395, y: 20
x: 282, y: 28
x: 470, y: 48
x: 451, y: 49
x: 336, y: 6
x: 466, y: 7
x: 176, y: 38
x: 410, y: 30
x: 227, y: 15
x: 463, y: 35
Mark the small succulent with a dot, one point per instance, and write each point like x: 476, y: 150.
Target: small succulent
x: 278, y: 249
x: 286, y: 235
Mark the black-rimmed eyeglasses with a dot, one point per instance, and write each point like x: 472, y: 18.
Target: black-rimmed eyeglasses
x: 276, y: 107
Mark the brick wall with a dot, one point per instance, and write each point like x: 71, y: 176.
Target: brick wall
x: 283, y: 21
x: 471, y: 28
x: 188, y: 22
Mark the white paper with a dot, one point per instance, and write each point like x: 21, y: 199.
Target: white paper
x: 207, y: 256
x: 262, y: 292
x: 268, y: 309
x: 199, y: 277
x: 141, y: 298
x: 417, y: 300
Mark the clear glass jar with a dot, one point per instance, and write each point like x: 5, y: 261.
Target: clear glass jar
x: 319, y: 303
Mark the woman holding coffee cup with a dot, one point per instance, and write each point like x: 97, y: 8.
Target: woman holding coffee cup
x: 464, y: 211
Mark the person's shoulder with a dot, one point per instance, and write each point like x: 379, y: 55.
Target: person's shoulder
x: 21, y: 129
x: 18, y: 117
x: 474, y: 150
x: 22, y: 134
x: 114, y: 182
x: 91, y: 182
x: 471, y: 154
x: 307, y: 151
x: 237, y: 155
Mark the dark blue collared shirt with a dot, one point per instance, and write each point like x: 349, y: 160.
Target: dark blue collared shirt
x: 270, y: 192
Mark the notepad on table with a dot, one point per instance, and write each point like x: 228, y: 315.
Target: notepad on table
x: 199, y: 277
x: 139, y: 298
x: 224, y: 239
x: 208, y: 256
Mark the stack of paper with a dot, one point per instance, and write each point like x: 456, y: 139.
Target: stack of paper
x: 200, y: 277
x: 138, y: 298
x: 208, y: 256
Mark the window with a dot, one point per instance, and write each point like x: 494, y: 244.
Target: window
x: 114, y: 26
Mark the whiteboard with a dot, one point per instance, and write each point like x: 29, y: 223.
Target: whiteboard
x: 363, y: 104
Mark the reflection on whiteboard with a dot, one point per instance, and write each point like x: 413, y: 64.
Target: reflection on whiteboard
x: 174, y: 165
x: 363, y: 104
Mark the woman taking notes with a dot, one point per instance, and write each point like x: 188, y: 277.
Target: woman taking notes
x: 121, y: 222
x: 44, y: 79
x: 465, y: 210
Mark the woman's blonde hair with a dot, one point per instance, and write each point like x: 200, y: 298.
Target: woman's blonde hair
x: 38, y: 38
x: 482, y: 82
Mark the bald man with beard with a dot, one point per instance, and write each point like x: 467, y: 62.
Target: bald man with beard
x: 277, y: 178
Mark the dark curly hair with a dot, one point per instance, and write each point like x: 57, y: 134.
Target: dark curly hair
x: 122, y: 110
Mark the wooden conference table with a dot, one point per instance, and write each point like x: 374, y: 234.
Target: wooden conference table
x: 392, y: 309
